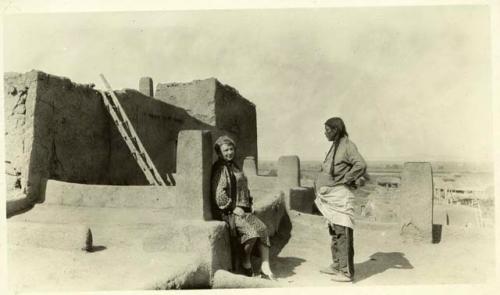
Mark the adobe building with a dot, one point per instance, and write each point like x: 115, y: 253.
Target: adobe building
x: 60, y: 130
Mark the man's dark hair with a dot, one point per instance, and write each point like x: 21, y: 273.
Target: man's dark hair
x: 337, y: 124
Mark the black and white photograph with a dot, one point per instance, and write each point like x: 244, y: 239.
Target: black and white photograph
x: 273, y: 146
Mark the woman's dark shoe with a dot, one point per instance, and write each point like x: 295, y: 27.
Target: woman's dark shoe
x: 247, y: 271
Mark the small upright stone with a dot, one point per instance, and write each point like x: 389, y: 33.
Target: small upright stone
x: 288, y: 176
x: 88, y: 241
x: 289, y: 171
x: 249, y: 166
x: 146, y: 86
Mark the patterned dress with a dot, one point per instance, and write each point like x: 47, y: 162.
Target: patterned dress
x: 230, y: 190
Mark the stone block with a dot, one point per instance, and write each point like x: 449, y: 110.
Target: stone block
x: 146, y: 86
x: 416, y: 205
x: 301, y: 199
x: 194, y: 164
x: 249, y: 166
x: 288, y: 173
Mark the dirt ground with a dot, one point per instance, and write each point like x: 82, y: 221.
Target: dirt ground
x: 41, y: 270
x: 382, y: 257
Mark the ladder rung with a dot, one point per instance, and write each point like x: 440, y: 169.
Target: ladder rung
x: 112, y: 106
x: 142, y: 155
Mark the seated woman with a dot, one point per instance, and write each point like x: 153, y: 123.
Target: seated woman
x: 234, y: 205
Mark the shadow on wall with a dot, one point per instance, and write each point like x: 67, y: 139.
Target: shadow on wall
x: 380, y: 262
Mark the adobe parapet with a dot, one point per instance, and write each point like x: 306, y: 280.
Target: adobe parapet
x: 146, y: 86
x: 203, y: 99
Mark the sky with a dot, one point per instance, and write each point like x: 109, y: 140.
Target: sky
x: 411, y: 83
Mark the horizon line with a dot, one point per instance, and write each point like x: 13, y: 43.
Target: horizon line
x: 482, y: 161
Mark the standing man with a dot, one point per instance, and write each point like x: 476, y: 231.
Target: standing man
x: 341, y: 168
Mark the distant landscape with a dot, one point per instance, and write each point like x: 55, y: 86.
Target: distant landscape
x: 387, y: 199
x: 394, y: 166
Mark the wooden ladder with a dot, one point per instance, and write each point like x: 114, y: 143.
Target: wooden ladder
x: 129, y: 135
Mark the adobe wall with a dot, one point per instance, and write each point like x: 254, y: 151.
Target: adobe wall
x: 71, y: 133
x: 237, y: 115
x: 63, y: 133
x: 157, y: 125
x: 217, y: 105
x: 196, y: 97
x: 19, y: 97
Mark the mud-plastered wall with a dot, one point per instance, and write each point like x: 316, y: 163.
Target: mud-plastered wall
x: 157, y: 125
x: 19, y: 97
x: 237, y: 115
x: 70, y: 134
x: 218, y: 105
x: 196, y: 97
